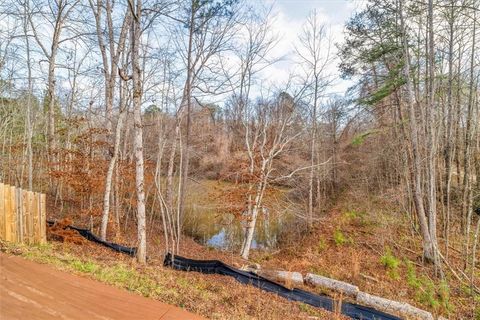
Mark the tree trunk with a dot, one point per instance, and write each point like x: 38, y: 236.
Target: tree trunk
x: 432, y: 143
x: 249, y: 233
x: 467, y: 154
x: 312, y: 155
x: 415, y: 170
x: 186, y: 102
x: 108, y: 178
x: 449, y: 138
x: 28, y: 119
x: 138, y: 131
x: 250, y: 227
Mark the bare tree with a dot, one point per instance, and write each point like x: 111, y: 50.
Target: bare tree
x: 269, y: 129
x: 415, y: 170
x: 111, y: 68
x: 255, y: 127
x: 467, y: 151
x: 60, y: 11
x: 210, y: 28
x: 431, y: 137
x: 102, y: 12
x: 314, y: 54
x: 135, y: 38
x: 28, y: 119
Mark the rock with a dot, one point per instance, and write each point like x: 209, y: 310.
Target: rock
x: 391, y: 306
x: 332, y: 284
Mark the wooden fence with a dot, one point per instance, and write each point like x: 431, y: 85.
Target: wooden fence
x: 22, y: 215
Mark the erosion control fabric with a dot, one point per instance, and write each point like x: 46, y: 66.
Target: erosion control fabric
x: 351, y: 310
x: 87, y: 234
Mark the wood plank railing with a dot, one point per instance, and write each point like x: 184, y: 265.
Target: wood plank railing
x: 22, y: 215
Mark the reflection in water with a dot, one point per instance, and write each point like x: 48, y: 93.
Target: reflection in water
x: 224, y: 232
x: 219, y: 240
x: 223, y: 242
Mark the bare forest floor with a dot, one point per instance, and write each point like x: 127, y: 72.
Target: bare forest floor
x: 366, y: 242
x: 369, y: 243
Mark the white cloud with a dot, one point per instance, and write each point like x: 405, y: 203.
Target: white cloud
x: 289, y: 18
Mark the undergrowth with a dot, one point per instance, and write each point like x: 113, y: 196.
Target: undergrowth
x: 437, y: 296
x: 391, y: 263
x: 311, y: 311
x: 321, y: 245
x: 341, y: 239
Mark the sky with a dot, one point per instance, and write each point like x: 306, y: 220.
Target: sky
x: 289, y: 18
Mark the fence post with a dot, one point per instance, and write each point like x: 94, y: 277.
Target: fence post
x: 19, y: 215
x: 13, y: 221
x: 25, y: 211
x: 3, y: 211
x: 8, y: 213
x: 43, y: 218
x: 31, y: 207
x: 36, y: 219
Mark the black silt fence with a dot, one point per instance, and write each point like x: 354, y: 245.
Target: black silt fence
x: 87, y: 234
x: 351, y: 310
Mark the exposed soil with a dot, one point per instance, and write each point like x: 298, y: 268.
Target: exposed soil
x: 211, y: 296
x: 367, y: 231
x: 29, y: 290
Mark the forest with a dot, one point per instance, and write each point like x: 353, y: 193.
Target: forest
x: 155, y: 125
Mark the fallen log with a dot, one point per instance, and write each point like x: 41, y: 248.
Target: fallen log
x: 390, y: 306
x: 285, y: 277
x: 254, y: 267
x: 332, y: 284
x: 352, y: 310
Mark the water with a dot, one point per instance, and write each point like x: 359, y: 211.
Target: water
x: 222, y: 241
x: 225, y: 232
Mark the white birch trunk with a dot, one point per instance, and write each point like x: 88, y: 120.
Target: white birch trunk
x: 108, y: 178
x: 138, y: 133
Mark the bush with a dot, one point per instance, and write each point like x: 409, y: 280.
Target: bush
x: 339, y: 238
x: 427, y: 292
x: 412, y: 279
x: 351, y: 214
x: 444, y: 295
x: 321, y: 245
x: 356, y: 218
x: 391, y: 263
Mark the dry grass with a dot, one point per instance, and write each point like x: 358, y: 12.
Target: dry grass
x: 348, y: 244
x: 213, y: 296
x: 367, y: 234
